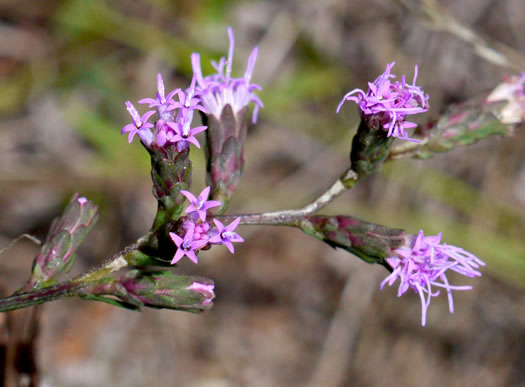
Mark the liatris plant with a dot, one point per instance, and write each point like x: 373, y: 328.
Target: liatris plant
x: 188, y: 222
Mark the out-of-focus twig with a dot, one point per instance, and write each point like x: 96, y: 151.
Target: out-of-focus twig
x: 20, y: 364
x: 344, y: 329
x: 438, y: 18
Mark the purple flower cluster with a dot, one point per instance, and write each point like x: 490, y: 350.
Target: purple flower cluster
x: 386, y: 104
x: 422, y: 263
x: 174, y: 118
x: 208, y: 94
x: 197, y: 231
x: 221, y: 89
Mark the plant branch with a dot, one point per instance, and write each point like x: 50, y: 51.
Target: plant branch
x: 23, y: 300
x: 114, y: 263
x: 406, y: 149
x: 292, y: 217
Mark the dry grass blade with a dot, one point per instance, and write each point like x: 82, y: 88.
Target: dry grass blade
x: 439, y: 19
x: 14, y: 241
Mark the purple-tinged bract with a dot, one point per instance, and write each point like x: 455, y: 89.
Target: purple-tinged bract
x: 421, y: 264
x: 221, y: 89
x: 386, y: 104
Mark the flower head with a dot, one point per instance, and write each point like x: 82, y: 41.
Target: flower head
x: 422, y: 262
x: 386, y: 104
x: 140, y: 126
x: 225, y: 235
x: 200, y: 204
x: 186, y: 246
x: 220, y: 89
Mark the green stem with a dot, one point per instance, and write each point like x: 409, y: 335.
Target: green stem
x: 115, y: 263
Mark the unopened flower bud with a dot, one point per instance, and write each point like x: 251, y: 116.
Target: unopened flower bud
x: 164, y: 289
x: 67, y: 232
x: 369, y: 241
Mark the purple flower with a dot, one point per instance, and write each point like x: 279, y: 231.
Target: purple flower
x: 184, y: 133
x: 140, y: 126
x: 422, y: 262
x: 162, y: 103
x: 189, y: 99
x: 220, y: 89
x: 386, y: 104
x: 186, y: 246
x: 200, y: 204
x: 225, y: 235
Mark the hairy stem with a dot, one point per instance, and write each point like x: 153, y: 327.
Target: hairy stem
x: 115, y: 263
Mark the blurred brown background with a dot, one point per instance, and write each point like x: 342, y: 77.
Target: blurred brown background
x: 289, y: 311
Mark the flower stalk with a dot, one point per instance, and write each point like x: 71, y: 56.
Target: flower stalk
x: 171, y: 173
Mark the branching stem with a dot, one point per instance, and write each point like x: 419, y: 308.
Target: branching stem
x: 293, y: 217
